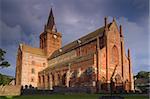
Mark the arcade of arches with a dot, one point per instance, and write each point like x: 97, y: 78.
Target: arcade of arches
x: 66, y: 78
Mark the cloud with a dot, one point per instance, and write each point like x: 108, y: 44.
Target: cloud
x: 30, y: 15
x: 10, y: 38
x: 10, y: 56
x: 73, y: 24
x: 33, y: 40
x: 10, y: 35
x: 23, y: 20
x: 136, y: 38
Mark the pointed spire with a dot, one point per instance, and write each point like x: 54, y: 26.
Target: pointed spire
x: 51, y: 23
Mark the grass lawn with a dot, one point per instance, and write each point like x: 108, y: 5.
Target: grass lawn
x: 77, y: 96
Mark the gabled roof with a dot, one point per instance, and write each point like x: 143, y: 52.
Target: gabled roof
x: 33, y: 50
x: 75, y: 43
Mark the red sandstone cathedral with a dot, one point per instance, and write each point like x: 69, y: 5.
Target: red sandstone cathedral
x: 97, y: 60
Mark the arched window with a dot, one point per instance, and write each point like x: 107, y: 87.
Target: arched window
x: 43, y: 79
x: 44, y: 64
x: 64, y: 79
x: 115, y: 55
x: 39, y: 79
x: 33, y: 62
x: 32, y: 79
x: 32, y: 71
x: 74, y: 74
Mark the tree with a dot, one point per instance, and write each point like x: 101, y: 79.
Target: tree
x: 4, y: 79
x: 3, y: 62
x: 143, y: 74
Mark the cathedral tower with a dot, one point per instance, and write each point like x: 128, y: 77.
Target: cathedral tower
x: 50, y: 39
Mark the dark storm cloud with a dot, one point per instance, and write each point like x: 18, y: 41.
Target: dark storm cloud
x: 20, y: 12
x: 23, y: 21
x: 131, y: 9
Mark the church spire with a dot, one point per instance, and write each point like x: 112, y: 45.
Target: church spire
x: 51, y: 23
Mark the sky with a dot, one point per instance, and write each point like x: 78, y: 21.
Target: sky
x: 22, y: 21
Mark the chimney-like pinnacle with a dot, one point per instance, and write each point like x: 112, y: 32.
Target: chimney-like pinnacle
x: 121, y: 32
x: 105, y: 21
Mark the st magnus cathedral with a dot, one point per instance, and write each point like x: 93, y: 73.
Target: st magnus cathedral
x: 97, y: 60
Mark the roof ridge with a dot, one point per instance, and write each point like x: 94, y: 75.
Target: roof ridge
x: 73, y: 44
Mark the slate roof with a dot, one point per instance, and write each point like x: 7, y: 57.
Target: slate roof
x: 75, y: 43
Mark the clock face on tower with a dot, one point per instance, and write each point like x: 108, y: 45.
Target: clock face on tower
x: 55, y: 36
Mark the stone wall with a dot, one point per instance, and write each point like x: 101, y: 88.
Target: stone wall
x: 31, y: 65
x: 10, y: 90
x: 106, y: 55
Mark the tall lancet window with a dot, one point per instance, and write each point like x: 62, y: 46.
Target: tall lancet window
x: 115, y: 55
